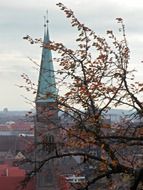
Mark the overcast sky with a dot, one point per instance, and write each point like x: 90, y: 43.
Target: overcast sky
x: 19, y: 18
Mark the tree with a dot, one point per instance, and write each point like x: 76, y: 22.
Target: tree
x: 97, y: 78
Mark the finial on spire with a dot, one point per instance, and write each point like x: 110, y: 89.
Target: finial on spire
x: 47, y: 17
x: 46, y: 21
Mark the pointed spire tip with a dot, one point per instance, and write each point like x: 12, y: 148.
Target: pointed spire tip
x: 46, y: 21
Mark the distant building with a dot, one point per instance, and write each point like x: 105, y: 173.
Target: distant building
x: 19, y: 128
x: 5, y: 110
x: 15, y: 137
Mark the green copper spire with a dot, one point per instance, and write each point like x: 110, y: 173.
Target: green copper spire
x: 46, y: 86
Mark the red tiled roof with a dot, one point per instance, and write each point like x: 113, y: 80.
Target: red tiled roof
x: 11, y: 177
x: 22, y: 126
x: 18, y: 126
x: 12, y: 183
x: 14, y: 171
x: 6, y: 170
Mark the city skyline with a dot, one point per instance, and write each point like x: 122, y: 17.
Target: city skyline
x: 21, y: 18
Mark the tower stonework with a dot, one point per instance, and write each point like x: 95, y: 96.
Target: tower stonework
x: 46, y: 118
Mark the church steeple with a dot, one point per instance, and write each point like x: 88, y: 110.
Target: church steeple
x: 46, y: 85
x: 46, y: 116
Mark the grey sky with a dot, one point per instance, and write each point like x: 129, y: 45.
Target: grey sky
x: 19, y: 18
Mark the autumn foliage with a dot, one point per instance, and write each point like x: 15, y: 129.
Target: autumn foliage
x: 92, y: 79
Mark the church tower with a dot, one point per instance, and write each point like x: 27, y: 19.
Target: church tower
x: 46, y: 129
x: 47, y: 92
